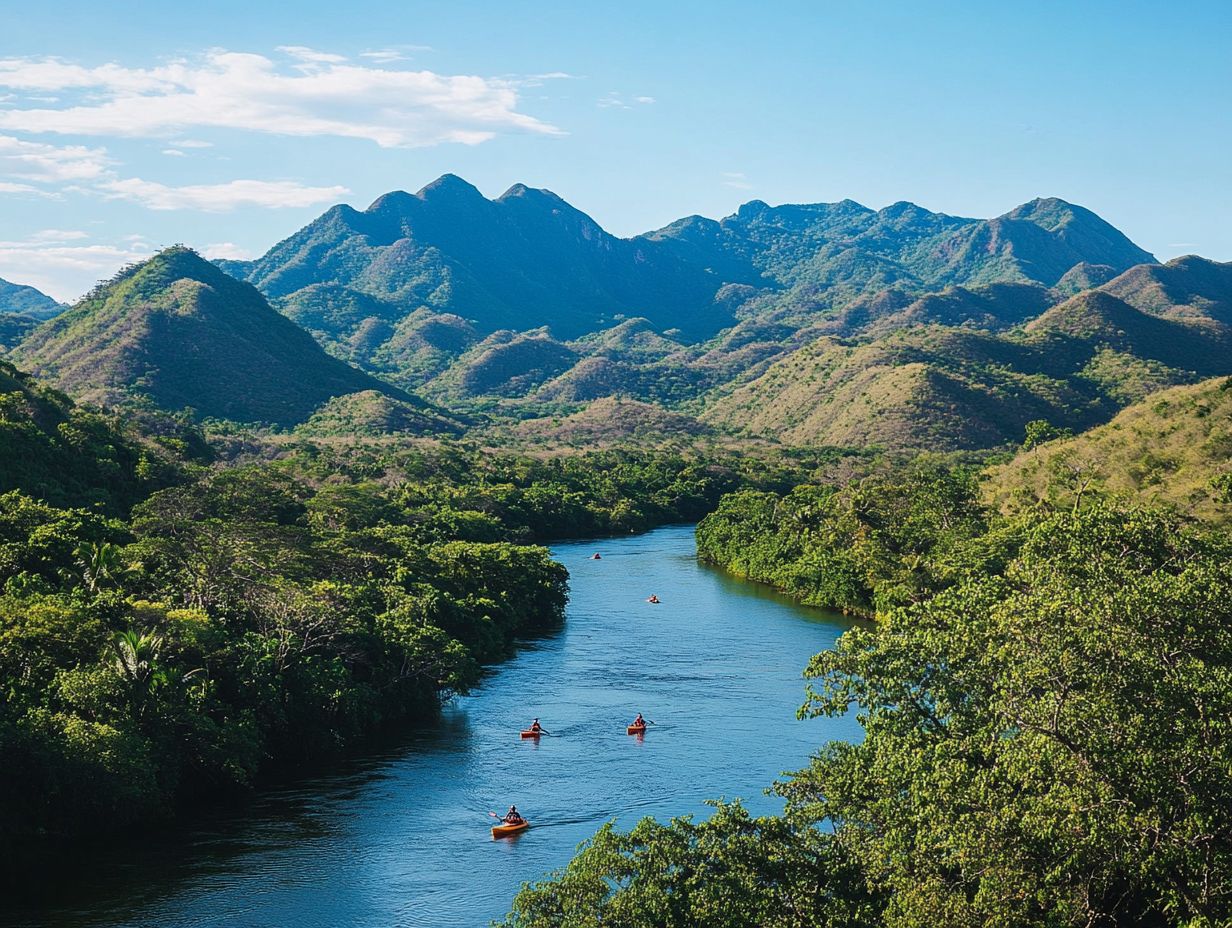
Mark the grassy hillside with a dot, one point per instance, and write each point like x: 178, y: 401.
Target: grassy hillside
x: 183, y: 334
x: 1173, y: 448
x: 945, y: 387
x: 611, y: 421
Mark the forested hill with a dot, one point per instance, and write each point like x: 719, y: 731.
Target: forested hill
x: 181, y: 333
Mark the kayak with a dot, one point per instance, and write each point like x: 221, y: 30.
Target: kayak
x: 504, y: 831
x: 531, y: 733
x: 637, y: 729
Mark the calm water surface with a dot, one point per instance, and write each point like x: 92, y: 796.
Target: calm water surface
x: 401, y: 838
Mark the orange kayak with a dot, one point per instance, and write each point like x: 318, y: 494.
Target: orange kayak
x: 637, y: 729
x: 504, y: 831
x: 530, y: 733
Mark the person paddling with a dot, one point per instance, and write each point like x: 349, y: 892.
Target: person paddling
x: 536, y: 727
x: 653, y: 599
x: 638, y: 722
x: 596, y: 557
x: 512, y: 817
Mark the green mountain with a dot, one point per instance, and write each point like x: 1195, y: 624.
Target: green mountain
x: 364, y: 283
x: 19, y: 298
x: 947, y: 387
x: 179, y: 332
x: 1172, y: 448
x: 523, y: 260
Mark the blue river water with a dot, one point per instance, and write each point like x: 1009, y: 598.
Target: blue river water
x: 401, y: 837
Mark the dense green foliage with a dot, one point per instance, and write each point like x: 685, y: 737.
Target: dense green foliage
x: 75, y: 456
x: 863, y: 547
x: 1046, y: 705
x: 237, y: 620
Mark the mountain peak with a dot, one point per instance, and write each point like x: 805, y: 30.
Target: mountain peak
x: 521, y: 191
x: 449, y: 185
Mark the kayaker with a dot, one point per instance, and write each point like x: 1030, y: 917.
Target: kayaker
x: 535, y: 726
x: 512, y: 817
x: 638, y: 722
x: 652, y: 599
x: 596, y: 557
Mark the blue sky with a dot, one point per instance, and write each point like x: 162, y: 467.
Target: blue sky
x: 227, y: 125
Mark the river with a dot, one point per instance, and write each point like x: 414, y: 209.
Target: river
x: 401, y: 837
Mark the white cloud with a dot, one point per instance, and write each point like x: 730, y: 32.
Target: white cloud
x: 393, y: 52
x: 41, y: 163
x: 22, y: 189
x: 191, y: 143
x: 736, y: 180
x: 59, y: 235
x: 320, y: 94
x: 615, y: 100
x: 218, y: 198
x: 311, y: 55
x: 62, y: 269
x: 173, y: 152
x: 228, y: 250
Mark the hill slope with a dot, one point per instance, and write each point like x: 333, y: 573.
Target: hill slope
x: 179, y: 331
x: 19, y: 298
x: 934, y: 386
x: 1174, y: 447
x: 57, y: 452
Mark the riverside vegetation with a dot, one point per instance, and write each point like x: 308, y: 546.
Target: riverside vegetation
x: 170, y: 629
x: 1045, y: 701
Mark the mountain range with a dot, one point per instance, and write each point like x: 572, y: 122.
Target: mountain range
x: 825, y: 323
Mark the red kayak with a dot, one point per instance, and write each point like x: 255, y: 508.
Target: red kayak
x: 637, y: 729
x: 531, y: 733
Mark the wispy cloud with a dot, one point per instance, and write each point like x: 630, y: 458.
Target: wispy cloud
x: 8, y: 187
x: 615, y: 100
x: 228, y: 250
x: 393, y: 53
x: 42, y: 170
x: 316, y: 93
x: 220, y: 198
x: 736, y: 180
